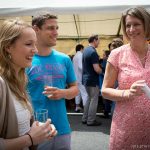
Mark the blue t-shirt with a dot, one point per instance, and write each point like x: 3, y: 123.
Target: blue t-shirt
x: 60, y: 67
x: 89, y: 76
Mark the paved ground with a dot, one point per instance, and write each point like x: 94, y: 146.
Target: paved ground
x: 89, y: 138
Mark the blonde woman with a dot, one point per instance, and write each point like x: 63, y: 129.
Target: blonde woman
x: 17, y: 47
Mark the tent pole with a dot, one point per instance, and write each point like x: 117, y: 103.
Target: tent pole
x: 76, y: 28
x: 119, y: 28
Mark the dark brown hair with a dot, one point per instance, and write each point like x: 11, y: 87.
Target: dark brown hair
x: 40, y: 19
x: 92, y: 38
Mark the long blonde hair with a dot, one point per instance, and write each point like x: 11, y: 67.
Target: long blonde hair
x: 10, y: 31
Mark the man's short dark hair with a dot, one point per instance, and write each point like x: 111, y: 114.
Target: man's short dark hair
x: 107, y: 53
x: 40, y: 19
x: 92, y: 38
x: 109, y: 45
x: 79, y: 47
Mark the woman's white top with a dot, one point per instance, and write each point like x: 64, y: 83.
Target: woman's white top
x: 23, y: 117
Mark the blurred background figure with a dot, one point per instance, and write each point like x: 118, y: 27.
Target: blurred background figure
x: 106, y: 103
x: 116, y: 42
x: 90, y: 79
x: 77, y: 63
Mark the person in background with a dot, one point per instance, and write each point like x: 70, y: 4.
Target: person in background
x: 48, y: 61
x: 71, y: 57
x: 107, y: 103
x: 90, y: 79
x: 129, y: 65
x: 17, y: 47
x: 77, y: 63
x: 117, y: 42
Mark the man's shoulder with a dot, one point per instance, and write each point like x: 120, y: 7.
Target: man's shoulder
x: 60, y: 54
x: 89, y: 49
x: 78, y: 54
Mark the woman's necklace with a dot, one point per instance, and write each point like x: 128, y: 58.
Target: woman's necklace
x: 145, y: 49
x: 143, y: 59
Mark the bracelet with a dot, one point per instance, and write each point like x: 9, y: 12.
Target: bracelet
x: 30, y: 139
x: 122, y: 96
x: 129, y: 95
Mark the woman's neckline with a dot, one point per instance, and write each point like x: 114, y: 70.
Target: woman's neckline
x: 142, y: 60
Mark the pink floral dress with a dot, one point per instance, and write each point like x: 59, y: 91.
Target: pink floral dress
x: 130, y: 129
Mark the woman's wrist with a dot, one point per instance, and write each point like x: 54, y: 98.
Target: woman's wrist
x: 125, y: 94
x: 30, y: 139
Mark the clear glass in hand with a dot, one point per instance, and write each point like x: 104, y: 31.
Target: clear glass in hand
x: 41, y: 115
x: 48, y: 81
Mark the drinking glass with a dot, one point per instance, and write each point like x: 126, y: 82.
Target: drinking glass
x: 48, y: 81
x: 41, y: 115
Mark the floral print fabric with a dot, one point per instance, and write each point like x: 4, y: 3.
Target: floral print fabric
x: 131, y: 120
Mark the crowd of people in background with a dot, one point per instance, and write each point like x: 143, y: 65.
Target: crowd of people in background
x: 81, y: 98
x: 27, y: 56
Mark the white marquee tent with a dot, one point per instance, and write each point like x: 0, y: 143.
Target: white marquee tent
x: 77, y: 19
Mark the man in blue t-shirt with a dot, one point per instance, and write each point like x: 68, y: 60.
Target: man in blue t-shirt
x: 90, y: 79
x: 48, y: 61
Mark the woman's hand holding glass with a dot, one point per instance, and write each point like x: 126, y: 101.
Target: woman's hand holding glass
x: 136, y: 89
x: 41, y: 133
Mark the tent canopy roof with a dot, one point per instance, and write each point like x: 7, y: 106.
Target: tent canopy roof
x: 76, y: 18
x: 31, y: 7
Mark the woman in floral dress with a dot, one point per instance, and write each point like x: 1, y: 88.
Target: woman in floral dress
x: 130, y: 65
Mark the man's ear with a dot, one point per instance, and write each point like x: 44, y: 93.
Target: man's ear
x: 35, y: 28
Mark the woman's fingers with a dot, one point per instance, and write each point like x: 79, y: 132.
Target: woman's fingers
x: 50, y: 136
x: 140, y: 81
x: 49, y: 128
x: 52, y: 131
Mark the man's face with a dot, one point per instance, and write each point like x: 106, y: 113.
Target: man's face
x: 97, y: 42
x: 48, y: 33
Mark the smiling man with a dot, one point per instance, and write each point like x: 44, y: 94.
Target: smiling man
x: 48, y: 61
